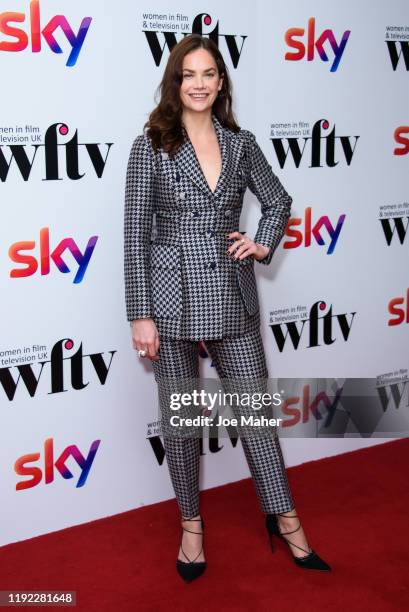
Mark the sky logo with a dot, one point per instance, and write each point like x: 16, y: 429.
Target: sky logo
x: 312, y: 43
x: 399, y: 308
x: 43, y: 260
x: 21, y: 41
x: 311, y: 230
x: 401, y: 138
x: 28, y: 465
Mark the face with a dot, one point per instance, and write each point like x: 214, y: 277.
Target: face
x: 201, y: 82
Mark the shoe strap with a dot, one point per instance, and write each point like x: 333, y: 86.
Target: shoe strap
x: 283, y: 533
x: 195, y: 532
x: 189, y: 530
x: 190, y: 561
x: 296, y: 545
x: 289, y: 532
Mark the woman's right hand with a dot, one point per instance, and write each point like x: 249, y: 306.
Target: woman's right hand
x: 145, y: 336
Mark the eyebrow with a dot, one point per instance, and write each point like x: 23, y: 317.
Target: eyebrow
x: 189, y: 70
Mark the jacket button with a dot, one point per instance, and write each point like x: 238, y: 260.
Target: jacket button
x: 227, y: 212
x: 194, y: 213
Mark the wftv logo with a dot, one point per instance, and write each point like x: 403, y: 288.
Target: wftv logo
x: 320, y: 329
x: 395, y: 55
x: 391, y: 224
x: 22, y: 465
x: 50, y: 149
x: 213, y: 443
x: 322, y: 149
x: 312, y: 43
x: 314, y: 231
x: 31, y: 262
x: 25, y: 373
x: 202, y: 19
x: 59, y: 21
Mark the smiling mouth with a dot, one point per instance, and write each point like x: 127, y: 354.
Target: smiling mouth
x: 198, y: 96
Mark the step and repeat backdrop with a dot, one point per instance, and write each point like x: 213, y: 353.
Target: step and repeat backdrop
x: 324, y: 87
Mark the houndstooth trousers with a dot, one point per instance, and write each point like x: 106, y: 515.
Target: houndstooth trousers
x: 234, y: 358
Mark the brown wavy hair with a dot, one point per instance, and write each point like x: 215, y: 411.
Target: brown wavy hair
x: 164, y: 126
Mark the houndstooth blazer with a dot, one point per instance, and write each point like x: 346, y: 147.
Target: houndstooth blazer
x: 176, y: 267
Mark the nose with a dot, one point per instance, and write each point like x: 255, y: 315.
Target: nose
x: 198, y: 82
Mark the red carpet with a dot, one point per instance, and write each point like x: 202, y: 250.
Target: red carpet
x: 354, y: 509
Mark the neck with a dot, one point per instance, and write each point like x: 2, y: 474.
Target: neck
x: 197, y: 123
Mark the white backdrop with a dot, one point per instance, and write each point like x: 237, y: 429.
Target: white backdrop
x: 75, y: 399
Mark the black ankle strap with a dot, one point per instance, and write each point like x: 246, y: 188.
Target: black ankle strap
x: 288, y: 532
x: 196, y: 533
x: 190, y: 560
x: 284, y: 533
x: 189, y: 530
x: 287, y: 516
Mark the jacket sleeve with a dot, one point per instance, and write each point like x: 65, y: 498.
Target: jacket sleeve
x: 275, y: 201
x: 138, y: 214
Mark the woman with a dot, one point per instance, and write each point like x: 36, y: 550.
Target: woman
x: 195, y: 281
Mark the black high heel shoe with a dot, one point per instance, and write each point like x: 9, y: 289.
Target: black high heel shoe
x: 309, y: 561
x: 190, y: 570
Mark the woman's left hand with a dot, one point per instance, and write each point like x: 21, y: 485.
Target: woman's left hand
x: 244, y: 246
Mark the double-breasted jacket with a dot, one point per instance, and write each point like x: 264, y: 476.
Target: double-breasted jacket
x: 176, y: 266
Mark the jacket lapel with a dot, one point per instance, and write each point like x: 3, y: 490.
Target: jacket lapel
x: 230, y: 149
